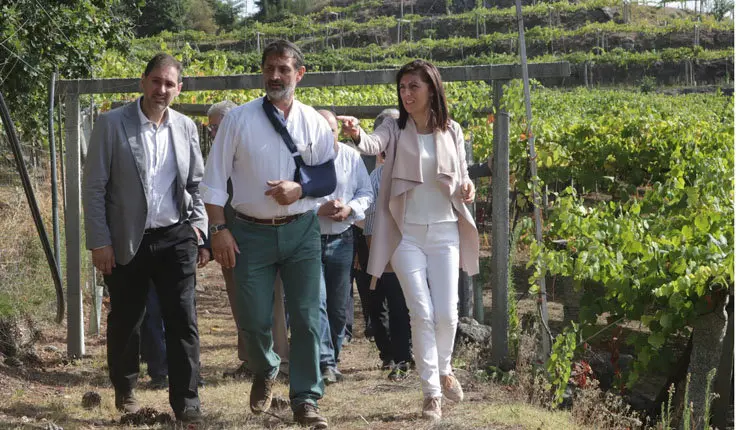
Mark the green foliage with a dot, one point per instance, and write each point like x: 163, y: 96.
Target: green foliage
x: 226, y: 13
x: 199, y: 16
x: 709, y: 396
x: 70, y: 36
x: 559, y: 362
x: 721, y: 8
x: 663, y: 245
x: 160, y: 15
x: 647, y: 84
x: 514, y: 324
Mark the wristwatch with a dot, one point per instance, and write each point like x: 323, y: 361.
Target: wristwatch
x: 215, y: 228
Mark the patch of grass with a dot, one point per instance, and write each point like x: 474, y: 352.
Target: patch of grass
x: 26, y: 285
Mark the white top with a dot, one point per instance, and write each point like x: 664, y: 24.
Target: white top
x: 249, y: 151
x: 161, y: 171
x: 375, y: 177
x: 427, y: 203
x: 353, y: 189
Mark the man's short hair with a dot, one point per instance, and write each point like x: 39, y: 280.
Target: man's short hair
x: 390, y: 112
x: 221, y: 108
x: 163, y: 60
x: 282, y: 48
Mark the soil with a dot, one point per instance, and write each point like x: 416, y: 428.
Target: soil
x: 55, y: 392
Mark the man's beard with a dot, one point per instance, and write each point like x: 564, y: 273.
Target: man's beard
x: 285, y: 93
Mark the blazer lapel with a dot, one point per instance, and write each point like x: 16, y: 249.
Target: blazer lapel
x: 446, y: 159
x: 182, y: 148
x: 132, y: 127
x: 407, y: 163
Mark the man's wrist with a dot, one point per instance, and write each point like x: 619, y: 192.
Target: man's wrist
x: 216, y: 228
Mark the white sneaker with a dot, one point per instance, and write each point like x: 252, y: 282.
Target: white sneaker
x: 451, y: 388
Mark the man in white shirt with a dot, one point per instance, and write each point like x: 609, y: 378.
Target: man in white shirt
x: 144, y: 219
x: 345, y: 206
x: 274, y: 228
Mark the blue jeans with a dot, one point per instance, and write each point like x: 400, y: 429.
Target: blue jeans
x: 153, y: 347
x: 337, y: 251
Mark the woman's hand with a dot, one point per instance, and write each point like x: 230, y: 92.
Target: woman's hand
x: 350, y: 126
x: 468, y: 192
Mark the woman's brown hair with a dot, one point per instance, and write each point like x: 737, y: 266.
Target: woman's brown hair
x: 439, y: 115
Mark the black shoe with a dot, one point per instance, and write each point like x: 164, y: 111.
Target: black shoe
x: 158, y: 383
x: 387, y: 365
x: 369, y: 331
x: 328, y: 376
x: 190, y: 415
x: 307, y: 415
x: 126, y: 402
x: 260, y: 397
x: 399, y: 372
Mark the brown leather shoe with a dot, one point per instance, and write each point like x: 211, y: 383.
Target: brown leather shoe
x: 126, y: 402
x: 432, y: 408
x: 260, y: 397
x: 307, y: 415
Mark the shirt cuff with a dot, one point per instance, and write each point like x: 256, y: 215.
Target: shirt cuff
x: 357, y: 213
x: 213, y: 196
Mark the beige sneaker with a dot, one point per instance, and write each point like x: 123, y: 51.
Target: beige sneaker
x: 451, y: 388
x: 432, y: 408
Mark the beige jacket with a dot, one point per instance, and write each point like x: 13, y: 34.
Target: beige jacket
x: 402, y: 172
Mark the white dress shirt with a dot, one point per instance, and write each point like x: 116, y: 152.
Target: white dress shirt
x: 427, y: 203
x: 161, y: 171
x: 353, y: 189
x: 248, y: 150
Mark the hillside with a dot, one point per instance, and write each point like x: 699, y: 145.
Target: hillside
x: 606, y: 41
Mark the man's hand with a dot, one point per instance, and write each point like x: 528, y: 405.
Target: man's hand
x: 468, y: 192
x: 284, y: 192
x: 224, y: 248
x: 329, y: 208
x: 342, y: 214
x: 350, y: 126
x: 204, y: 256
x: 104, y: 259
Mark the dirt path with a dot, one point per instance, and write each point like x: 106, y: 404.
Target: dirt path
x: 48, y: 396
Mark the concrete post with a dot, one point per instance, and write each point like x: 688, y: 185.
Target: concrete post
x: 75, y: 334
x: 500, y: 233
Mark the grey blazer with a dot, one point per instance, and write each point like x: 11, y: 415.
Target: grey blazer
x: 114, y: 176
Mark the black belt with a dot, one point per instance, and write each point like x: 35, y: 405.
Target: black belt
x: 282, y: 220
x: 159, y: 230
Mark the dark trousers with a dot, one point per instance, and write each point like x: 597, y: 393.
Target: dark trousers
x: 362, y: 280
x: 167, y: 259
x: 153, y: 347
x: 391, y: 319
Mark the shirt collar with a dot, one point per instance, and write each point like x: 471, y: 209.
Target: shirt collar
x: 143, y: 118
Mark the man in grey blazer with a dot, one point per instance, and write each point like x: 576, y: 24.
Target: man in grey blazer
x: 144, y: 218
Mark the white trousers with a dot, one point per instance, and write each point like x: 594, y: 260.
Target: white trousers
x: 427, y: 265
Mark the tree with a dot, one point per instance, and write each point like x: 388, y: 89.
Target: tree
x: 199, y: 16
x: 39, y: 36
x: 720, y: 8
x: 160, y: 15
x: 226, y: 13
x: 272, y: 10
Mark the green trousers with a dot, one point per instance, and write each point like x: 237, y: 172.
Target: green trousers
x: 295, y: 250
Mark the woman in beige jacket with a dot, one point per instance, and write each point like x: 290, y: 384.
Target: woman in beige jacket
x: 423, y: 228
